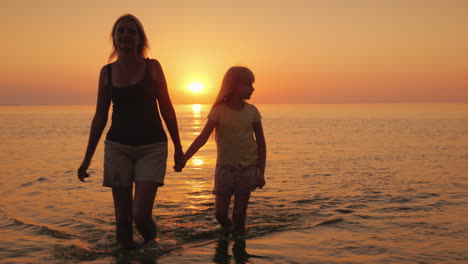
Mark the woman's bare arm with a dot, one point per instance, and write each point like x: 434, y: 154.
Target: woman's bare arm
x: 98, y: 124
x: 168, y: 113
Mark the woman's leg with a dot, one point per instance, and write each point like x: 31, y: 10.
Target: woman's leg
x: 145, y: 193
x: 221, y: 212
x: 239, y: 213
x: 123, y: 216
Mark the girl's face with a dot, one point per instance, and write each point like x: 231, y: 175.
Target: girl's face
x: 126, y: 35
x: 245, y: 87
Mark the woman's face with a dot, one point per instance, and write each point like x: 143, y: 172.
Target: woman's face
x: 126, y: 35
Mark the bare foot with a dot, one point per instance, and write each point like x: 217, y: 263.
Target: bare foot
x: 226, y: 231
x: 150, y: 244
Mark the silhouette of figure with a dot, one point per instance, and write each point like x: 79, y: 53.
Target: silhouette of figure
x: 135, y: 151
x: 240, y: 164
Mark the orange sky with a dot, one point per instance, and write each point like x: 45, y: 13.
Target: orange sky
x: 326, y: 51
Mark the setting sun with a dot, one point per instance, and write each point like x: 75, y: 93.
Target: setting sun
x: 196, y: 87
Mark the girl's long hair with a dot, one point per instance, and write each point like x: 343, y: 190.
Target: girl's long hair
x: 142, y: 47
x: 232, y: 78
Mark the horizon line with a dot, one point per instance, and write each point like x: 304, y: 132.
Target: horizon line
x: 328, y: 103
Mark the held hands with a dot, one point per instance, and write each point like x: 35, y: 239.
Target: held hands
x: 179, y: 160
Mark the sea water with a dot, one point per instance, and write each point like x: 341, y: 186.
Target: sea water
x: 367, y: 183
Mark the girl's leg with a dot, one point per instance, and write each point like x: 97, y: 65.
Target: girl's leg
x: 123, y: 216
x: 222, y: 212
x: 145, y: 193
x: 239, y: 213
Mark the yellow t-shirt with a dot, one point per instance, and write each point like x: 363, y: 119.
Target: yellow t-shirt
x: 235, y: 136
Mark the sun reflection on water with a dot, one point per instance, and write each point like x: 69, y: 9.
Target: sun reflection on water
x: 199, y: 195
x: 196, y: 108
x: 197, y: 161
x: 196, y: 121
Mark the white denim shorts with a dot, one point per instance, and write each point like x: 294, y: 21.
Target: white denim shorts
x: 125, y: 164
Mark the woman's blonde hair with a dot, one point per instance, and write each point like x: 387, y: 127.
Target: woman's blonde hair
x: 232, y: 78
x: 142, y: 47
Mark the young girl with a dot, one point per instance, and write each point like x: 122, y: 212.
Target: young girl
x: 240, y: 164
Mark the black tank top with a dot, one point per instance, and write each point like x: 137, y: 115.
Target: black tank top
x: 135, y: 115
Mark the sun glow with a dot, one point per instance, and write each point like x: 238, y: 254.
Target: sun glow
x: 197, y: 161
x: 196, y: 108
x: 196, y: 87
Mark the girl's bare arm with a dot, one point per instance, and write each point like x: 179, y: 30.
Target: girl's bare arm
x: 200, y: 140
x: 261, y: 147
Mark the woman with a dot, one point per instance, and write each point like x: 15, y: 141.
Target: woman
x: 135, y: 150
